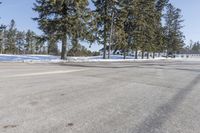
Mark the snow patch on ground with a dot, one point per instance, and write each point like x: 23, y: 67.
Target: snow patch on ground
x: 28, y: 58
x: 56, y: 59
x: 114, y: 58
x: 119, y: 58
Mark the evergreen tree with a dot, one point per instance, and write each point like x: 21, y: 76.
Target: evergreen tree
x: 174, y: 37
x: 39, y: 45
x: 143, y: 16
x: 196, y: 48
x: 121, y: 30
x: 79, y: 50
x: 10, y: 40
x: 149, y: 14
x: 52, y: 45
x: 30, y: 42
x: 159, y: 30
x: 146, y: 32
x: 20, y: 42
x: 84, y: 25
x: 59, y: 17
x: 104, y: 10
x: 129, y: 24
x: 2, y: 38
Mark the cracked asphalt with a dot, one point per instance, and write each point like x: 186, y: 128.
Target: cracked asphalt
x: 138, y: 97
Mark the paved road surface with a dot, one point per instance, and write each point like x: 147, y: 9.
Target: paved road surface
x: 159, y: 97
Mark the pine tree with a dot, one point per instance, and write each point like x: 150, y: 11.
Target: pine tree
x: 129, y: 25
x: 30, y: 42
x: 196, y: 48
x: 146, y: 22
x: 159, y: 30
x: 1, y: 40
x: 104, y: 10
x: 120, y: 28
x: 59, y: 17
x: 174, y: 37
x: 141, y: 13
x: 10, y: 40
x: 20, y: 42
x: 52, y: 45
x: 2, y: 27
x: 153, y: 26
x: 83, y: 29
x: 40, y: 42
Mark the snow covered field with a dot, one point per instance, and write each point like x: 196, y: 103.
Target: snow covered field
x: 28, y: 58
x: 114, y: 58
x: 54, y: 59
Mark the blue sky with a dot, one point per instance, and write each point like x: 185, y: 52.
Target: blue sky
x: 21, y: 12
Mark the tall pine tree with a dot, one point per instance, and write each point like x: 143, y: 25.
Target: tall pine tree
x: 30, y: 42
x: 59, y: 17
x: 174, y: 38
x: 104, y: 10
x: 10, y: 40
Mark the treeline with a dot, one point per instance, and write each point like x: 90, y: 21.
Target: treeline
x: 13, y: 41
x: 193, y: 48
x: 146, y: 26
x: 120, y: 24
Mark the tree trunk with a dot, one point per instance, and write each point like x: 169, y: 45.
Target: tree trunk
x: 18, y: 50
x: 159, y: 54
x: 136, y: 54
x: 142, y: 54
x: 124, y: 54
x: 105, y: 28
x: 104, y: 47
x: 111, y: 31
x: 153, y: 55
x: 64, y: 47
x: 48, y: 51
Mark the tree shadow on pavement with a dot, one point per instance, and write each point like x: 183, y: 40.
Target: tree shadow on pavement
x: 154, y: 122
x: 129, y: 65
x: 113, y: 65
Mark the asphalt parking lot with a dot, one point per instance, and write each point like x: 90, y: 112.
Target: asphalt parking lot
x: 151, y: 97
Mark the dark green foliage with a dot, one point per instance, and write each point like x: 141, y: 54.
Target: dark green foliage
x: 1, y: 40
x: 103, y: 14
x: 174, y: 38
x: 160, y: 5
x: 10, y: 39
x: 30, y: 42
x: 20, y: 42
x: 78, y: 50
x: 196, y: 48
x: 64, y: 19
x: 193, y: 48
x: 52, y: 46
x: 142, y: 21
x: 121, y: 30
x: 136, y: 25
x: 128, y: 25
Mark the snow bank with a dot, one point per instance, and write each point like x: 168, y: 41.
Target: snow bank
x: 119, y: 58
x: 28, y: 58
x: 56, y: 59
x: 114, y: 58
